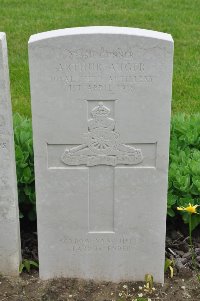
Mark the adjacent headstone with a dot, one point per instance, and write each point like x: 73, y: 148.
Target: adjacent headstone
x: 101, y: 121
x: 9, y: 215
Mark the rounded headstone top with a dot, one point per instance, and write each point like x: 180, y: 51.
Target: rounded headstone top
x: 101, y: 30
x: 2, y: 35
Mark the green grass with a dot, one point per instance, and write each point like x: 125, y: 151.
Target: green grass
x: 21, y: 18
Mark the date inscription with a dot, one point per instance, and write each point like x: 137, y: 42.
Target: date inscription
x: 95, y: 244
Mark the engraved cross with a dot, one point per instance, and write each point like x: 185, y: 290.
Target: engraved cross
x: 102, y: 151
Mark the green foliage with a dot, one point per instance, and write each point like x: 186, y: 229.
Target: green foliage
x: 184, y: 171
x: 148, y: 282
x: 25, y: 166
x: 27, y: 265
x: 169, y: 266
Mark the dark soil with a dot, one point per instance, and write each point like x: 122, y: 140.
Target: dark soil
x: 178, y: 248
x: 183, y: 286
x: 29, y: 287
x: 29, y: 246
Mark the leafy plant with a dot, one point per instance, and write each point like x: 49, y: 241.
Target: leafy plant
x: 191, y: 210
x: 149, y: 282
x: 169, y: 264
x: 184, y: 168
x: 25, y: 166
x: 27, y: 265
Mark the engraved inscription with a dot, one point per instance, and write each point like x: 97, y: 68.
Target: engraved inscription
x: 4, y: 151
x: 102, y: 144
x: 100, y: 67
x: 102, y: 70
x: 102, y: 52
x: 88, y: 244
x: 3, y: 145
x: 2, y: 123
x: 125, y: 53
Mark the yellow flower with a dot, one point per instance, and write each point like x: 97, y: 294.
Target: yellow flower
x: 191, y: 208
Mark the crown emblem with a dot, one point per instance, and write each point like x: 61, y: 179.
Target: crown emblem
x: 100, y: 110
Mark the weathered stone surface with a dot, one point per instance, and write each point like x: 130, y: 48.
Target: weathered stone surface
x: 101, y: 118
x: 9, y: 215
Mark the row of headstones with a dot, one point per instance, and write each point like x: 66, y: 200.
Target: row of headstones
x: 9, y: 214
x: 101, y: 100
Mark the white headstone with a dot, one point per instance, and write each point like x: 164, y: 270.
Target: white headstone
x: 101, y: 120
x: 9, y: 215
